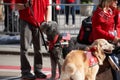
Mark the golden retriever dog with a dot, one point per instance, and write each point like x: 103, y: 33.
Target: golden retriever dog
x: 76, y: 65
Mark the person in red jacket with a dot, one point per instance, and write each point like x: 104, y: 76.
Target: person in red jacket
x: 32, y: 14
x: 70, y: 9
x: 103, y: 26
x: 55, y: 8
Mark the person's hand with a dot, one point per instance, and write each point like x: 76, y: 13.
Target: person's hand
x: 58, y: 7
x: 116, y: 39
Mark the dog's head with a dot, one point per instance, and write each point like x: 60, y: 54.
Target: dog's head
x: 101, y: 46
x: 50, y: 29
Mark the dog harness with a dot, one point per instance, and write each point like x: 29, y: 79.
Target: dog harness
x: 92, y: 59
x: 62, y: 42
x: 52, y: 43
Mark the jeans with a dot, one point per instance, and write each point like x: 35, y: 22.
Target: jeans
x: 70, y: 9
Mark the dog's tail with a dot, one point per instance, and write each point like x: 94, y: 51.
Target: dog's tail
x: 70, y: 68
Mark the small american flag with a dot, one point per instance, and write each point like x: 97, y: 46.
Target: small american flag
x: 66, y: 36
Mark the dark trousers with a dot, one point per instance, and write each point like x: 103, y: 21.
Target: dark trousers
x: 8, y: 18
x: 29, y: 34
x: 11, y: 20
x: 54, y: 13
x: 70, y: 9
x: 116, y: 74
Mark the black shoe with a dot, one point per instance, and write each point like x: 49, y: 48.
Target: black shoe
x: 28, y: 76
x: 114, y: 62
x: 39, y: 74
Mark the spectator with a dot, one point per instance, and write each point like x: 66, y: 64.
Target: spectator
x: 103, y: 26
x: 55, y: 8
x: 1, y: 11
x: 32, y: 14
x: 8, y: 21
x: 70, y: 9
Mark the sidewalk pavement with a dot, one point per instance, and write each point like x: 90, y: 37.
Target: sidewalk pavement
x: 10, y: 66
x: 10, y: 63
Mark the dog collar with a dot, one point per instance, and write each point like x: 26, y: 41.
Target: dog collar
x: 92, y: 59
x: 52, y: 43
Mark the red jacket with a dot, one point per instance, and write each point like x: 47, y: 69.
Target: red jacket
x: 39, y: 10
x: 102, y: 25
x: 117, y: 20
x: 70, y: 1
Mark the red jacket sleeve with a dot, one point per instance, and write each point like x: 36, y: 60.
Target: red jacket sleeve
x: 117, y: 23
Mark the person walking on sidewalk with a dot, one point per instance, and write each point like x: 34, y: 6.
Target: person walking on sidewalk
x: 32, y: 14
x: 70, y: 9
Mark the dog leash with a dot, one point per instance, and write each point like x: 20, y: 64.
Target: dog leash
x: 30, y: 6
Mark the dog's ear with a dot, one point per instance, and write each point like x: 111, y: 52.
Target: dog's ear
x: 43, y: 26
x: 98, y: 52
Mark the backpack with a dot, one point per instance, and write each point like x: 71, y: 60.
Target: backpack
x: 85, y: 31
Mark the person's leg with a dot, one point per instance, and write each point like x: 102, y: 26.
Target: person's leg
x: 54, y: 13
x: 115, y: 74
x: 73, y: 15
x: 38, y: 62
x: 5, y: 20
x: 113, y: 60
x: 67, y: 13
x: 25, y: 40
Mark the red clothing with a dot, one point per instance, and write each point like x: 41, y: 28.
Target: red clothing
x: 56, y: 1
x: 9, y: 1
x: 70, y: 1
x: 39, y: 10
x: 117, y: 20
x: 102, y: 25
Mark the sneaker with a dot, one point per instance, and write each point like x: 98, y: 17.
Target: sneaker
x: 66, y: 25
x: 39, y: 74
x: 114, y: 62
x: 28, y: 76
x: 73, y: 25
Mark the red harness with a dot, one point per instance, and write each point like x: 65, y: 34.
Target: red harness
x: 64, y: 41
x: 52, y: 43
x: 92, y: 59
